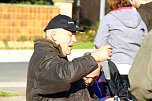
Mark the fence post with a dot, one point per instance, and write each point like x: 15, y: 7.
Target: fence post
x: 102, y: 8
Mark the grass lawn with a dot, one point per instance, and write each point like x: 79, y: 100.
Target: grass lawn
x: 29, y: 45
x: 83, y: 45
x: 8, y: 94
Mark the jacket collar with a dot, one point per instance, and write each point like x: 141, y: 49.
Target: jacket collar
x: 47, y: 44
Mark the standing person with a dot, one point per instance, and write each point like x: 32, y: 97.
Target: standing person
x: 140, y: 74
x: 124, y: 30
x: 51, y: 77
x: 144, y: 7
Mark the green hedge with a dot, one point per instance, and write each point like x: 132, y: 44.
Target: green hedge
x: 89, y: 34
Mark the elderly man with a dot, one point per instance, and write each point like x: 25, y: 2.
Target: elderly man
x: 51, y: 77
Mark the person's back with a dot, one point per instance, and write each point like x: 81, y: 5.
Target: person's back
x: 124, y: 30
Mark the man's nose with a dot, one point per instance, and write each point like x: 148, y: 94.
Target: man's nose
x: 74, y: 39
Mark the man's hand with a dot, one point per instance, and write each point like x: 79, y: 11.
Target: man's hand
x: 91, y: 78
x: 103, y: 53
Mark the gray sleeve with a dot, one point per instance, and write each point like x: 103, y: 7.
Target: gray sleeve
x: 101, y: 38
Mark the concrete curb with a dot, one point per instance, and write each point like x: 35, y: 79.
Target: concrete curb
x: 24, y: 55
x: 15, y: 55
x: 12, y: 84
x: 14, y: 98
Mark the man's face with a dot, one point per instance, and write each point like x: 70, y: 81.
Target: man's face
x: 66, y: 39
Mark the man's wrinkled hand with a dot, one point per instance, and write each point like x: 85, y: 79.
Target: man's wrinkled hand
x: 103, y: 53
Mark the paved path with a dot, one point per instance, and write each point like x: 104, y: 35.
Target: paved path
x: 24, y: 55
x: 14, y: 98
x: 15, y: 55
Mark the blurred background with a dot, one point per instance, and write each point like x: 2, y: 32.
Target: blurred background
x: 21, y: 21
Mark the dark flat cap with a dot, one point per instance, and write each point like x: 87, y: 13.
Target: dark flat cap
x: 62, y: 21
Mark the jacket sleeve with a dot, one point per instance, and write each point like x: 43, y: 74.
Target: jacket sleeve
x: 57, y: 73
x: 101, y: 38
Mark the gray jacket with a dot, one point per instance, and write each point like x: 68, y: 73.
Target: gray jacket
x: 54, y: 78
x: 124, y: 30
x: 140, y: 74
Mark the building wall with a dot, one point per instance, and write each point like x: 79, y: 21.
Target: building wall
x: 89, y: 11
x: 24, y: 22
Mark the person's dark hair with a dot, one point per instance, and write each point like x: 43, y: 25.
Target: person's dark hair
x: 114, y: 4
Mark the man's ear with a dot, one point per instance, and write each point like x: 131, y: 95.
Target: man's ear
x: 54, y: 35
